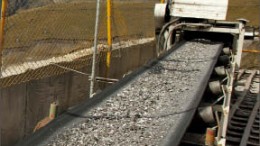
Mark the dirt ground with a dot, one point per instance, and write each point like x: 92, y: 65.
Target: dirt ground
x: 249, y: 9
x: 251, y: 60
x: 76, y: 21
x: 58, y: 29
x: 61, y: 28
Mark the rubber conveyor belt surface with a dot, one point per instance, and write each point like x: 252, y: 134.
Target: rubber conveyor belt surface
x: 153, y: 106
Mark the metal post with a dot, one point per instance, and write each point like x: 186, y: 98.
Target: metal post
x: 226, y: 106
x: 3, y: 13
x: 93, y: 72
x: 109, y: 37
x: 239, y: 44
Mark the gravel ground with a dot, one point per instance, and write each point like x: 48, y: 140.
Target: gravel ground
x: 142, y: 112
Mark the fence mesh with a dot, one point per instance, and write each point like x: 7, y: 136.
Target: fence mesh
x: 41, y: 33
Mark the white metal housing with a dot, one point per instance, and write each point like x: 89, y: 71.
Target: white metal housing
x: 205, y: 9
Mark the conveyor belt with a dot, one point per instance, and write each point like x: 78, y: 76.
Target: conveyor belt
x: 152, y: 106
x: 244, y: 127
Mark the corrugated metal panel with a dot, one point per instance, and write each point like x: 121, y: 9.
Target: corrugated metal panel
x: 208, y: 9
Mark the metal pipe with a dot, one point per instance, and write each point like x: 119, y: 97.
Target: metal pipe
x: 174, y: 28
x: 105, y: 82
x: 85, y: 74
x: 93, y: 72
x: 3, y: 13
x: 53, y: 109
x: 251, y: 51
x: 107, y: 79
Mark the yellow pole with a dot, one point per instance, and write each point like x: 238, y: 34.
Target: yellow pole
x: 3, y: 13
x: 109, y: 35
x: 162, y: 1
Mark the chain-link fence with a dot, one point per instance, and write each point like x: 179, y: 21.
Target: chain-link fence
x: 44, y: 38
x: 40, y: 36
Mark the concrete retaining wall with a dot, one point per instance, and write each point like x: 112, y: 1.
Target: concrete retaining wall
x: 23, y: 106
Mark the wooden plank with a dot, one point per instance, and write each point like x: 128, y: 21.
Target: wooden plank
x: 205, y: 9
x: 12, y: 112
x: 41, y: 93
x: 25, y: 105
x: 78, y: 87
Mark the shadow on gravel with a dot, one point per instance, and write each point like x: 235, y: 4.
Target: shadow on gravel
x: 157, y: 69
x: 182, y: 71
x: 189, y: 60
